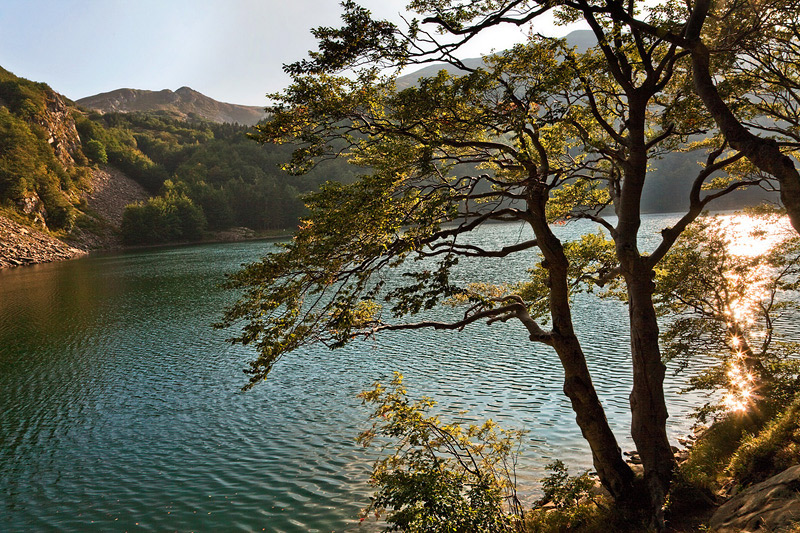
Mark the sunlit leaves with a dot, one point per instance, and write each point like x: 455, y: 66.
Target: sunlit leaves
x: 438, y: 476
x: 592, y: 264
x: 360, y: 39
x: 571, y: 199
x: 726, y: 288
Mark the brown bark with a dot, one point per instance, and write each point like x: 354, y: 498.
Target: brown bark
x: 648, y: 406
x: 614, y: 473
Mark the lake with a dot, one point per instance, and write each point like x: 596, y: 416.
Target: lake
x: 120, y: 405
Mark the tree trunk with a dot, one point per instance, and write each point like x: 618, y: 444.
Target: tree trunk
x: 648, y: 406
x: 614, y: 473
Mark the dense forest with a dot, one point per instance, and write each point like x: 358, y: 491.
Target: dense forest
x: 202, y: 175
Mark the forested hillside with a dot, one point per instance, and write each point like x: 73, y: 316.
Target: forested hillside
x: 201, y: 175
x: 42, y: 166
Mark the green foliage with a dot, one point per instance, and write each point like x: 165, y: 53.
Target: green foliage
x: 568, y: 505
x: 775, y: 448
x: 232, y: 179
x: 729, y: 304
x: 95, y: 151
x: 561, y: 489
x: 29, y: 169
x: 24, y: 98
x: 573, y: 198
x: 743, y: 449
x: 168, y: 218
x: 712, y: 452
x: 439, y: 477
x: 592, y: 264
x: 559, y: 134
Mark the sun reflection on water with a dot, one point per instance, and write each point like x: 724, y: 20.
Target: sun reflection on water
x: 749, y: 240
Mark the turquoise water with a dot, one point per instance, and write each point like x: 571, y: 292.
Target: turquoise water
x: 120, y: 406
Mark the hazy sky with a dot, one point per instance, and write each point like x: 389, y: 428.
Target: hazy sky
x: 230, y: 50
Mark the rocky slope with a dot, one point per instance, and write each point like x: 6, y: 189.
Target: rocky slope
x: 184, y: 102
x: 110, y: 192
x: 20, y: 245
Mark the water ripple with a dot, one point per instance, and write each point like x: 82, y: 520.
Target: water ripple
x: 119, y: 405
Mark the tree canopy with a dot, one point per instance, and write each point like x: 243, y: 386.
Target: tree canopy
x: 541, y: 134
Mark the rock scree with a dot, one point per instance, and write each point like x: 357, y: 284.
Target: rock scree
x: 20, y: 245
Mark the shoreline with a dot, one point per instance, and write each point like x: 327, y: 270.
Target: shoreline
x: 25, y: 246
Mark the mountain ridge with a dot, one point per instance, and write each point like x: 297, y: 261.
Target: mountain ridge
x: 184, y: 102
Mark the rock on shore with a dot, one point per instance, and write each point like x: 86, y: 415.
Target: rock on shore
x: 772, y: 505
x: 20, y: 245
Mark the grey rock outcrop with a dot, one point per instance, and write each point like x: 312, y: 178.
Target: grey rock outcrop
x: 58, y: 122
x: 770, y: 506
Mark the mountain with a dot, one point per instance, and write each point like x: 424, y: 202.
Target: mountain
x: 184, y: 103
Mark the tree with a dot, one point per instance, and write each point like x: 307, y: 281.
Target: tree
x: 727, y: 39
x: 167, y: 218
x: 555, y: 135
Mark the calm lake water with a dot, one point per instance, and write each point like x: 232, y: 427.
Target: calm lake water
x: 120, y: 406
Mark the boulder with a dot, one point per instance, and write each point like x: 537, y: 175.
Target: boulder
x: 772, y: 505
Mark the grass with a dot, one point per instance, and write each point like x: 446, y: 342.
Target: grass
x: 771, y: 451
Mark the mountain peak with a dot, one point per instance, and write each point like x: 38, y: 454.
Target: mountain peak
x: 183, y: 102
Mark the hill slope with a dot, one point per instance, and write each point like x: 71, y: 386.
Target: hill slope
x: 184, y: 103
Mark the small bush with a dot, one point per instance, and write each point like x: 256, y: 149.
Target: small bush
x: 439, y: 477
x: 568, y: 505
x: 96, y: 151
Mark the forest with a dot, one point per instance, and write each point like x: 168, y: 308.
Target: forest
x: 201, y: 175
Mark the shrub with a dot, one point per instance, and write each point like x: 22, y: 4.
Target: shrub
x: 439, y: 477
x: 568, y: 505
x: 96, y: 151
x: 774, y: 449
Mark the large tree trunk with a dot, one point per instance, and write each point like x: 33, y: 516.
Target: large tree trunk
x: 614, y: 473
x: 648, y: 406
x: 765, y: 154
